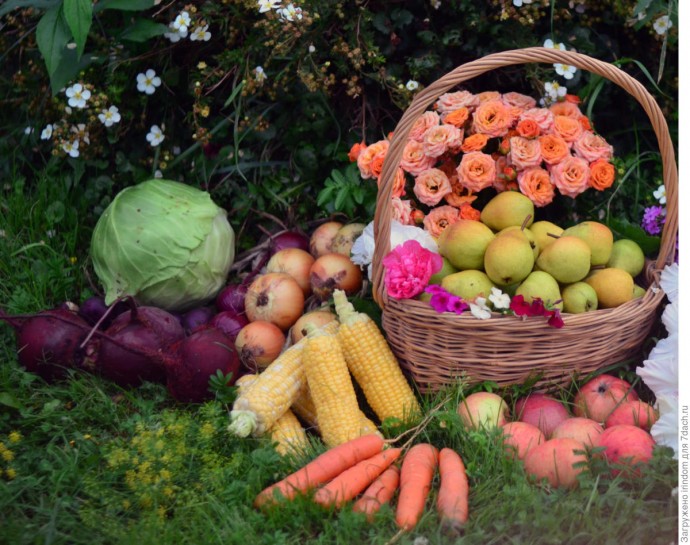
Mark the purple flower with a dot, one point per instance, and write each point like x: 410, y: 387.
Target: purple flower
x: 653, y: 220
x: 457, y: 305
x: 439, y: 301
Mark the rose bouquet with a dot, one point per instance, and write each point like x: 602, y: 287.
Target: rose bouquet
x: 469, y: 144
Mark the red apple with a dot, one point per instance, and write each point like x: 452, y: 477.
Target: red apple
x: 584, y: 430
x: 520, y: 437
x: 554, y: 460
x: 627, y: 445
x: 483, y: 409
x: 598, y: 397
x: 542, y: 411
x: 635, y: 413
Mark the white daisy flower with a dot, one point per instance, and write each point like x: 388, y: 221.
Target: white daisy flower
x: 182, y: 22
x: 47, y: 132
x: 551, y: 45
x: 148, y: 81
x: 290, y: 12
x: 499, y: 299
x: 71, y: 148
x: 412, y: 85
x: 77, y: 95
x: 155, y: 135
x: 110, y: 116
x: 564, y: 70
x: 260, y: 75
x: 268, y: 5
x: 479, y: 309
x: 670, y: 318
x: 660, y: 194
x: 200, y: 34
x: 662, y: 24
x: 669, y: 281
x: 175, y: 35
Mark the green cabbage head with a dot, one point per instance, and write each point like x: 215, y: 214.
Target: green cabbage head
x: 165, y: 243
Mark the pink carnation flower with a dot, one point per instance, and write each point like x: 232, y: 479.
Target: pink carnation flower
x: 409, y: 268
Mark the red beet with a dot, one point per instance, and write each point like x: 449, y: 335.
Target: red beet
x: 195, y: 359
x: 131, y: 351
x: 196, y: 317
x: 93, y: 309
x: 229, y: 323
x: 48, y: 341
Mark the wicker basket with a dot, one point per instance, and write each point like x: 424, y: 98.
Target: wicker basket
x: 437, y: 349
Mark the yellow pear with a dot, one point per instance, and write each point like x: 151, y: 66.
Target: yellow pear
x: 567, y: 259
x: 627, y: 255
x: 613, y: 286
x: 446, y: 269
x: 468, y: 284
x: 464, y: 243
x: 509, y: 258
x: 579, y: 297
x: 528, y: 233
x: 598, y: 236
x: 545, y: 233
x: 638, y: 291
x: 506, y: 209
x: 542, y: 285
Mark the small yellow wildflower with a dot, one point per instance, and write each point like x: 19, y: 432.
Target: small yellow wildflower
x: 14, y: 437
x: 201, y: 65
x: 207, y: 430
x: 87, y: 436
x: 7, y: 455
x: 72, y: 260
x: 165, y: 474
x: 10, y: 473
x: 162, y: 511
x: 204, y: 111
x: 168, y: 491
x: 126, y: 504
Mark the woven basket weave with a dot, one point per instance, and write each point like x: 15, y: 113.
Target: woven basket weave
x: 437, y: 349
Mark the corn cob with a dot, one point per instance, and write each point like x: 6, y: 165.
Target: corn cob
x: 305, y: 409
x: 330, y: 385
x: 273, y: 392
x: 373, y: 364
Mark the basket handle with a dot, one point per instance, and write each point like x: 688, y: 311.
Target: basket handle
x: 424, y: 99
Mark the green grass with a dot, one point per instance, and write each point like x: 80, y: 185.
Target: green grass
x: 85, y: 462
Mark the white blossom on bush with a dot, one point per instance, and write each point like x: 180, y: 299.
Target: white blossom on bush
x: 148, y: 81
x: 290, y: 12
x: 662, y: 25
x: 81, y: 133
x: 47, y: 132
x: 552, y: 45
x: 71, y: 148
x: 268, y: 5
x: 565, y: 70
x: 660, y: 194
x: 110, y: 116
x: 412, y: 85
x: 174, y: 35
x: 200, y: 34
x: 260, y: 75
x: 182, y: 23
x: 155, y: 135
x: 77, y: 96
x: 519, y: 3
x: 553, y: 93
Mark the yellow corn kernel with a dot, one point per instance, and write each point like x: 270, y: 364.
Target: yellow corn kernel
x: 272, y: 393
x: 287, y: 431
x: 331, y: 388
x: 373, y: 364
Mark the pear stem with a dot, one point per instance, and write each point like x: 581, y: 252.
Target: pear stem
x: 553, y: 235
x: 525, y: 222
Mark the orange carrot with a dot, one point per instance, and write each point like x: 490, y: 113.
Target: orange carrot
x: 352, y: 481
x: 453, y: 493
x: 323, y: 468
x: 416, y: 474
x: 380, y: 492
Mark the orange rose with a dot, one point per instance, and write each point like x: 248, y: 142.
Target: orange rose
x: 572, y: 98
x: 414, y: 160
x: 553, y: 149
x: 423, y: 124
x: 448, y: 102
x: 366, y: 156
x: 457, y: 117
x: 524, y: 152
x: 489, y: 95
x: 402, y: 211
x: 568, y: 128
x: 518, y: 100
x: 536, y: 184
x: 602, y: 174
x: 586, y: 124
x: 376, y: 164
x: 355, y: 150
x: 459, y: 194
x: 476, y: 171
x: 541, y: 116
x: 469, y: 213
x: 475, y: 142
x: 528, y: 128
x: 567, y: 109
x: 492, y: 118
x: 431, y: 186
x: 571, y: 176
x: 442, y: 138
x: 439, y: 218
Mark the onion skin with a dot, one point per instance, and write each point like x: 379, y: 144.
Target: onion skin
x: 229, y: 323
x: 321, y: 239
x: 345, y: 238
x: 276, y: 298
x: 334, y: 271
x: 231, y: 298
x: 192, y: 361
x: 289, y: 239
x: 318, y: 318
x: 295, y: 262
x: 258, y: 344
